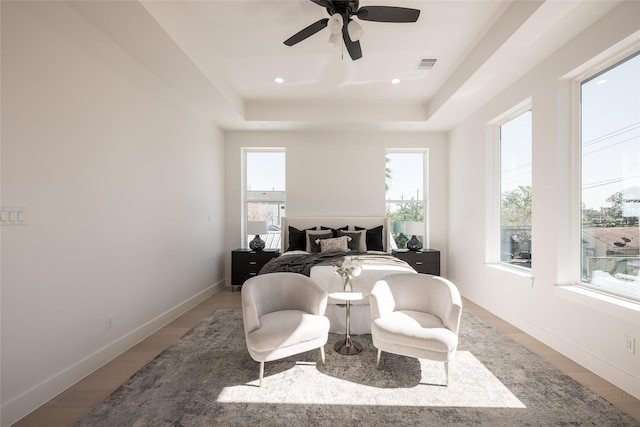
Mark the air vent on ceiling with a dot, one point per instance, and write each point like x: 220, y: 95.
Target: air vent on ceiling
x: 426, y: 64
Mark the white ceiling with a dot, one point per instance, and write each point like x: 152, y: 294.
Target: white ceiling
x: 223, y: 56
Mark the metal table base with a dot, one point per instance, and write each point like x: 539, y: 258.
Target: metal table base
x: 348, y: 346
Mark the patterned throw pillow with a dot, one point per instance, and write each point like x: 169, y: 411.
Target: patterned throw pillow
x: 337, y: 244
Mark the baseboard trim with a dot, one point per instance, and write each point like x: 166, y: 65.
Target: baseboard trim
x: 25, y: 403
x: 616, y: 375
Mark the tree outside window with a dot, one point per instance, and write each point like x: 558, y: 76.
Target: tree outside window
x: 404, y: 173
x: 516, y: 191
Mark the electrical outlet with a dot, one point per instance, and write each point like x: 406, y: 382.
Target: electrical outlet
x: 110, y: 321
x: 630, y: 344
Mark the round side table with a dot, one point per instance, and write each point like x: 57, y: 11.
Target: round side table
x: 347, y: 346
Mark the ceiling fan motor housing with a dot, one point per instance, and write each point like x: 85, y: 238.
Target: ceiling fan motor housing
x: 344, y: 8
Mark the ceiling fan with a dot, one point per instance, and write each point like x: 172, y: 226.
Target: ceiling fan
x: 340, y: 21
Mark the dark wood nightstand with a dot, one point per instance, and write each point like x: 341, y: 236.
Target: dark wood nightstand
x: 246, y: 263
x: 426, y: 261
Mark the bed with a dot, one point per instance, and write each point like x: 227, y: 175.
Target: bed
x: 376, y: 261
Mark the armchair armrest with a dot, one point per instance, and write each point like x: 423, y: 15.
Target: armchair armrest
x: 317, y: 303
x: 452, y: 308
x: 381, y: 300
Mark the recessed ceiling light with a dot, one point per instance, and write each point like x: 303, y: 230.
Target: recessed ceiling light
x: 601, y: 81
x: 395, y: 81
x: 278, y: 80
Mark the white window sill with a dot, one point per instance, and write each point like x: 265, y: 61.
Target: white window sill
x: 522, y: 272
x: 600, y: 297
x: 516, y: 271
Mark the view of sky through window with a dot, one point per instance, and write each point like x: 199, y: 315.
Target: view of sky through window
x: 401, y: 180
x: 260, y: 171
x: 610, y: 133
x: 515, y: 155
x: 610, y: 143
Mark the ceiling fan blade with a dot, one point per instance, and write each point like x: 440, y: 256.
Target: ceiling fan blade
x: 388, y: 14
x: 355, y: 52
x: 323, y: 3
x: 306, y: 32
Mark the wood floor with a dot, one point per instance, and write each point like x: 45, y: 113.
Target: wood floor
x: 72, y: 404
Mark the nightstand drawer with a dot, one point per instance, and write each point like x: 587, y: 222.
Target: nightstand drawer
x: 426, y: 261
x: 252, y: 257
x: 248, y: 266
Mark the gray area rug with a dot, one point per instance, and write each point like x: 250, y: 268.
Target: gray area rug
x: 208, y: 379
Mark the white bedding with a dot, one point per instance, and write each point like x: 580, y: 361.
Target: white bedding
x: 326, y: 276
x: 360, y: 310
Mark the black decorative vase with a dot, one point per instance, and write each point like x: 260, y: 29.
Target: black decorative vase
x: 257, y: 244
x: 414, y: 244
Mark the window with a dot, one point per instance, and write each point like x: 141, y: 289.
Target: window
x: 610, y: 179
x: 404, y: 173
x: 515, y: 191
x: 265, y: 191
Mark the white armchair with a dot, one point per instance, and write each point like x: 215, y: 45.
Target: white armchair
x: 283, y: 315
x: 416, y: 315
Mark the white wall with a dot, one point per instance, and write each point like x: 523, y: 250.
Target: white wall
x: 123, y: 184
x: 338, y: 174
x: 587, y: 329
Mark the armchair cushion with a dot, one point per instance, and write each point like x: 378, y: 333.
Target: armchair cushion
x: 415, y: 329
x: 286, y: 331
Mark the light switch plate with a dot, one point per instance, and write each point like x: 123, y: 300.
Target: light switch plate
x: 10, y: 215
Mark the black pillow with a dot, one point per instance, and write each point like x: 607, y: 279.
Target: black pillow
x: 334, y: 230
x: 313, y: 246
x: 298, y: 239
x: 357, y: 242
x: 374, y: 238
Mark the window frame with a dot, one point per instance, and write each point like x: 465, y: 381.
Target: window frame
x: 580, y: 77
x: 493, y: 246
x: 259, y: 196
x: 423, y: 203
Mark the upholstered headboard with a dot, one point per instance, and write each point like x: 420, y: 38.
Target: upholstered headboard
x: 335, y: 222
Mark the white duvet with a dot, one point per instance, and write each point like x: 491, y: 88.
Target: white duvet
x: 326, y: 276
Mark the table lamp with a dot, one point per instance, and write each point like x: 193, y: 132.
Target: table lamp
x: 257, y: 228
x: 413, y: 229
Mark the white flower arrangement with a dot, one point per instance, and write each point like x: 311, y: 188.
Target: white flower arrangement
x: 348, y: 268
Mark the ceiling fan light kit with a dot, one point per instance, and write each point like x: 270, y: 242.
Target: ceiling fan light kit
x: 341, y: 12
x: 355, y: 30
x: 335, y: 23
x: 335, y: 39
